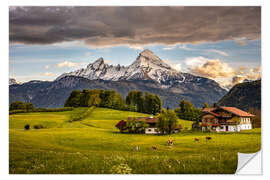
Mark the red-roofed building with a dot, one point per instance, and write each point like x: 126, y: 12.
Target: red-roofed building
x: 224, y: 118
x: 152, y: 121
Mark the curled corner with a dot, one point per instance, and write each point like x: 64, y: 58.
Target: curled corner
x: 249, y: 164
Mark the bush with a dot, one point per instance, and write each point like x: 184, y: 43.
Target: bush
x: 38, y: 126
x: 27, y: 127
x: 17, y: 111
x: 41, y: 110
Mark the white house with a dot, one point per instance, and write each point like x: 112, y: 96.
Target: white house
x: 222, y: 119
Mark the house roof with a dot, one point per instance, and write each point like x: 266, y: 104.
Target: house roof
x: 233, y: 110
x: 208, y: 109
x: 237, y: 111
x: 147, y: 119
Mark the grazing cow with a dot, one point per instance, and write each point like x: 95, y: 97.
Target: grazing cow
x: 136, y: 148
x: 196, y: 139
x: 154, y: 148
x: 170, y: 142
x: 208, y: 138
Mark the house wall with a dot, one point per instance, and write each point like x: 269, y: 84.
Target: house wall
x: 209, y: 118
x: 151, y: 131
x: 231, y: 128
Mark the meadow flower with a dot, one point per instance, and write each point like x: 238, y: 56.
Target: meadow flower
x: 121, y: 169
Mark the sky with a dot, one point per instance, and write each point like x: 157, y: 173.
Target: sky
x: 221, y: 43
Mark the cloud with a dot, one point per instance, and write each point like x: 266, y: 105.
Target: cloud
x: 88, y: 53
x: 47, y: 67
x: 183, y: 46
x: 178, y: 67
x: 212, y: 69
x: 193, y: 62
x: 249, y: 74
x: 48, y: 74
x: 222, y: 53
x: 241, y: 41
x: 132, y: 26
x: 107, y: 61
x: 66, y: 64
x: 169, y: 47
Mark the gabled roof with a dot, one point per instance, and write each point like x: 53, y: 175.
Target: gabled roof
x: 237, y: 111
x: 233, y: 110
x: 147, y: 119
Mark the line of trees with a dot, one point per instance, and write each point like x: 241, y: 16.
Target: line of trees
x: 19, y: 105
x: 135, y: 100
x: 188, y: 111
x: 148, y: 103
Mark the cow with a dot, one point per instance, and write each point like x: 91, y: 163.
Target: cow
x: 208, y: 138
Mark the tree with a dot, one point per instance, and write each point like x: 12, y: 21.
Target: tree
x: 167, y: 122
x: 187, y: 111
x: 121, y: 125
x: 136, y: 100
x: 236, y: 119
x: 136, y: 126
x: 205, y: 105
x: 256, y: 121
x: 152, y: 103
x: 17, y: 105
x: 74, y: 100
x: 29, y: 106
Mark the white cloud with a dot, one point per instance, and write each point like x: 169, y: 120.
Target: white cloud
x: 178, y: 67
x: 183, y: 46
x: 195, y: 61
x: 211, y: 68
x: 222, y: 53
x: 66, y: 64
x: 47, y: 67
x: 137, y: 47
x: 48, y: 74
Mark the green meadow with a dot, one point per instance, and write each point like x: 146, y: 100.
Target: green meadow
x: 95, y: 146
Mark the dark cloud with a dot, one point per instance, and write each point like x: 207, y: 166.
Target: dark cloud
x: 108, y: 26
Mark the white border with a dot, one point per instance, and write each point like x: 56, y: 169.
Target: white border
x: 4, y: 76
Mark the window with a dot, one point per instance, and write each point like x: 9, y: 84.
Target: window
x: 149, y: 130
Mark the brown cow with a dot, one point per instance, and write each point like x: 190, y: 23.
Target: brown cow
x: 208, y: 138
x: 154, y: 148
x: 196, y: 139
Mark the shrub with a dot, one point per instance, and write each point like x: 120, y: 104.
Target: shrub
x: 38, y: 126
x: 17, y: 111
x: 27, y: 127
x: 79, y: 117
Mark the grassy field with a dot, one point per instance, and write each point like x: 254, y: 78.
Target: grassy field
x: 94, y: 146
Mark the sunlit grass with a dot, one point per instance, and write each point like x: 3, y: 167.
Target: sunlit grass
x: 94, y: 145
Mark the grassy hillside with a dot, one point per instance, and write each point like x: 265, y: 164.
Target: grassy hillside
x: 94, y: 145
x: 244, y: 96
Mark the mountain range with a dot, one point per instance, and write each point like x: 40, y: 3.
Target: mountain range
x: 147, y: 73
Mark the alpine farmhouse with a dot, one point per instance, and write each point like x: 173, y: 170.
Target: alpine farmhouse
x: 222, y: 119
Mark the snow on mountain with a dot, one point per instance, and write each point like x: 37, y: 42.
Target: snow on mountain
x: 13, y: 81
x: 147, y: 66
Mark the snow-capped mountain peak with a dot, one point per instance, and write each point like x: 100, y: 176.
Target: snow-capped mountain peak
x: 147, y: 66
